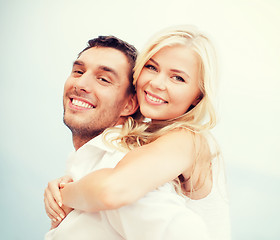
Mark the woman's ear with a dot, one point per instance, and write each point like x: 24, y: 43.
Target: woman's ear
x: 197, y: 100
x: 131, y: 106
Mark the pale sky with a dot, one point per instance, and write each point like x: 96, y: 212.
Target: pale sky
x: 40, y: 40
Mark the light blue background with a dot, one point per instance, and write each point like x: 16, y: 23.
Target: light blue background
x: 40, y: 40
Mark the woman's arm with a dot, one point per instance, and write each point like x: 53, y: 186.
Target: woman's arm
x: 140, y: 171
x: 55, y: 210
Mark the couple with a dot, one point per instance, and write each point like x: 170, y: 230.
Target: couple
x: 134, y: 178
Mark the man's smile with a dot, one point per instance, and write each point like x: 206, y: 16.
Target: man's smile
x: 80, y: 103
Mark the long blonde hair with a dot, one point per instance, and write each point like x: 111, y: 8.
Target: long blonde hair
x: 200, y: 118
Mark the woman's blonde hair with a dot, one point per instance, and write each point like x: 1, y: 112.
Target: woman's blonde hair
x: 198, y: 119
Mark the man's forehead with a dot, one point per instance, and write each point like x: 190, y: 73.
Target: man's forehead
x: 104, y: 52
x: 105, y: 59
x: 105, y: 56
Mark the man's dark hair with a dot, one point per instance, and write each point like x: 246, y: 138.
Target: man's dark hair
x: 113, y: 42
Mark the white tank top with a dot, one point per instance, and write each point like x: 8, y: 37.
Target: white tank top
x: 214, y: 208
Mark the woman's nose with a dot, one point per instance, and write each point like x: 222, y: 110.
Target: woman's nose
x: 158, y: 81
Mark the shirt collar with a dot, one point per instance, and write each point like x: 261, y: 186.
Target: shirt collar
x: 102, y: 141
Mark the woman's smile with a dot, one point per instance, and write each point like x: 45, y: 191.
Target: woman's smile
x: 154, y: 99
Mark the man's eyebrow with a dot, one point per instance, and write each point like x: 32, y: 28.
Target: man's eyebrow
x: 108, y: 69
x: 79, y: 63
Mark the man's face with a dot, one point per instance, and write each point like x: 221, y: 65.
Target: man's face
x: 95, y: 94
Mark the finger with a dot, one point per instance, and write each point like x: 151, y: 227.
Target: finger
x: 52, y: 206
x: 53, y: 187
x: 62, y: 185
x: 66, y: 179
x: 49, y: 212
x: 54, y: 225
x: 51, y: 217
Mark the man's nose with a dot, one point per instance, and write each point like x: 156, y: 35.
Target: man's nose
x: 159, y: 81
x: 84, y: 82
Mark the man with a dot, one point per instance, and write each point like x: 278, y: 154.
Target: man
x: 97, y: 95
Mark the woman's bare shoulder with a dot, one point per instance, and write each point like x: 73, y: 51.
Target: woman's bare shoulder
x: 178, y: 135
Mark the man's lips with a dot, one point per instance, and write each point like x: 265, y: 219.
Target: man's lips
x: 154, y: 98
x: 81, y: 104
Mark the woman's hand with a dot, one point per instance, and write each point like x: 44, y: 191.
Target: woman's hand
x: 55, y: 210
x: 55, y: 222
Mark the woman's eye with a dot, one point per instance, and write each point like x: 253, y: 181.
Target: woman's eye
x: 178, y: 78
x: 151, y: 67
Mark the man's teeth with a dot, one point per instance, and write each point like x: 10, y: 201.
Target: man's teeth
x: 154, y: 99
x: 81, y: 104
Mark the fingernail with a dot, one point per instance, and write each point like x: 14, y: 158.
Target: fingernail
x: 61, y: 215
x: 59, y: 219
x: 54, y: 220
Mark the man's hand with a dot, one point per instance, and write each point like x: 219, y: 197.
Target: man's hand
x: 55, y: 210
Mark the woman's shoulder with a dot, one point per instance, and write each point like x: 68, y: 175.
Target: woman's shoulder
x: 178, y: 134
x: 183, y: 136
x: 180, y: 143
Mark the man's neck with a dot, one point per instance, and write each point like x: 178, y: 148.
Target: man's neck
x: 79, y: 141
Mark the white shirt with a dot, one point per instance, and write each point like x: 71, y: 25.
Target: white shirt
x: 159, y: 215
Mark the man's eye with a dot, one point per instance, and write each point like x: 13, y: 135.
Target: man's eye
x: 104, y: 80
x: 151, y: 67
x: 78, y: 72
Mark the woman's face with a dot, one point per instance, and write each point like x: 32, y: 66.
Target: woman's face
x: 168, y: 83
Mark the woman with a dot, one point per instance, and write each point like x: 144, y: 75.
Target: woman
x: 175, y: 83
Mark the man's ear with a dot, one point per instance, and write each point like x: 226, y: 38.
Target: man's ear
x: 131, y: 106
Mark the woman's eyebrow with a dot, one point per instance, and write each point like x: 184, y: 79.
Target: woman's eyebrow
x: 179, y: 71
x: 154, y: 61
x: 173, y: 70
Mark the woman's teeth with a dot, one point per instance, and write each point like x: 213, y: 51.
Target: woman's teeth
x: 154, y: 99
